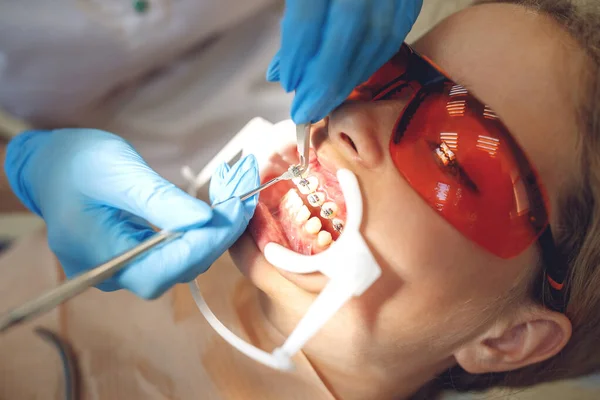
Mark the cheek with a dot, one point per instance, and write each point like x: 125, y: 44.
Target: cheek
x: 435, y: 281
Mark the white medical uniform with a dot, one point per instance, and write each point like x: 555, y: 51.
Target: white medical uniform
x: 177, y: 80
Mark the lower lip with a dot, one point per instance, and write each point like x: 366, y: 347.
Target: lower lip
x: 273, y: 223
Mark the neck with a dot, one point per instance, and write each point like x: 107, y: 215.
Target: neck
x: 351, y: 368
x: 372, y: 382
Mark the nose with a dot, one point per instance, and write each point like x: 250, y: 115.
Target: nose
x: 362, y: 130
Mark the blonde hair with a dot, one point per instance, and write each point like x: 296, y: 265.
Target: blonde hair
x: 578, y: 231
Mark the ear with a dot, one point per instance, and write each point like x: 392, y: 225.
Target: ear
x: 528, y: 336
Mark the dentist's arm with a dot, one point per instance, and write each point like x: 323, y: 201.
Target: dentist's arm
x: 98, y: 199
x: 328, y: 47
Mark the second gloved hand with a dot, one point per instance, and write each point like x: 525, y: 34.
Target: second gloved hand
x: 97, y: 197
x: 328, y: 47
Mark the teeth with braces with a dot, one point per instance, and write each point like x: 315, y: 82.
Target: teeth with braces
x: 329, y: 210
x: 313, y: 225
x: 338, y: 225
x: 324, y: 238
x: 316, y: 199
x: 308, y: 185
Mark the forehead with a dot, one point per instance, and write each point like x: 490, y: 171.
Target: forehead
x: 525, y: 68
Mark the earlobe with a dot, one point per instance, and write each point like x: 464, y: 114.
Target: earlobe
x: 536, y: 336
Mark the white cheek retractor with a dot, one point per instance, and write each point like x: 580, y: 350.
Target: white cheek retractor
x: 348, y: 263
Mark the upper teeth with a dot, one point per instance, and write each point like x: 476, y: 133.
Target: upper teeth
x: 308, y: 185
x: 329, y: 210
x: 338, y: 225
x: 316, y: 199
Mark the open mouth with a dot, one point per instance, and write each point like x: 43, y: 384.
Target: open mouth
x: 305, y: 215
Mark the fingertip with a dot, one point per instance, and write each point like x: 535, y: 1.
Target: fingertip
x: 16, y: 147
x: 108, y: 286
x: 148, y: 292
x: 153, y: 275
x: 234, y: 210
x: 311, y: 104
x: 249, y: 165
x: 239, y: 212
x: 273, y: 69
x: 303, y: 111
x: 250, y: 207
x: 26, y: 136
x: 244, y: 176
x: 200, y: 210
x: 298, y: 109
x: 180, y: 211
x: 273, y: 77
x: 192, y: 208
x: 286, y: 83
x: 222, y: 170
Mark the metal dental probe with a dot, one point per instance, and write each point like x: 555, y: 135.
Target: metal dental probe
x: 303, y: 141
x: 77, y: 285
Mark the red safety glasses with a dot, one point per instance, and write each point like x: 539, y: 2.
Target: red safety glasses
x: 460, y: 158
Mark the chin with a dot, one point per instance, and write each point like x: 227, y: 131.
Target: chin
x: 305, y: 215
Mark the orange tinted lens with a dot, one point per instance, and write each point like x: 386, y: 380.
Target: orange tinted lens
x: 459, y: 157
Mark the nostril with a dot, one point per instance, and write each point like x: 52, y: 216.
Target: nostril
x: 347, y: 139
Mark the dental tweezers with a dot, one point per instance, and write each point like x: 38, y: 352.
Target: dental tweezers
x: 75, y: 286
x: 294, y: 171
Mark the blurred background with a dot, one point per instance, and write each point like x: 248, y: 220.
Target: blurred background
x: 15, y: 225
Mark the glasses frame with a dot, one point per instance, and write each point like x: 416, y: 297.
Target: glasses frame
x: 424, y: 77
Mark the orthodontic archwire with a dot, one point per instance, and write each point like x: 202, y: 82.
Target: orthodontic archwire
x: 294, y: 171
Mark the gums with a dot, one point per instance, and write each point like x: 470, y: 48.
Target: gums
x: 274, y: 222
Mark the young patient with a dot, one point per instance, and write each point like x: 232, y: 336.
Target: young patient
x: 443, y: 308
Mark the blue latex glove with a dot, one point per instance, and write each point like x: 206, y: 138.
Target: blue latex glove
x: 328, y: 47
x: 95, y: 194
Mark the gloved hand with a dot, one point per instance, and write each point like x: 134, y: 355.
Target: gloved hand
x: 97, y: 195
x: 328, y: 47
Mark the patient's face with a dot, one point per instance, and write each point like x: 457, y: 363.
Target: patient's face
x: 438, y: 289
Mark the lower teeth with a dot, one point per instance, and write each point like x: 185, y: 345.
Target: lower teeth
x: 324, y: 238
x: 303, y: 214
x: 313, y: 225
x: 293, y: 202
